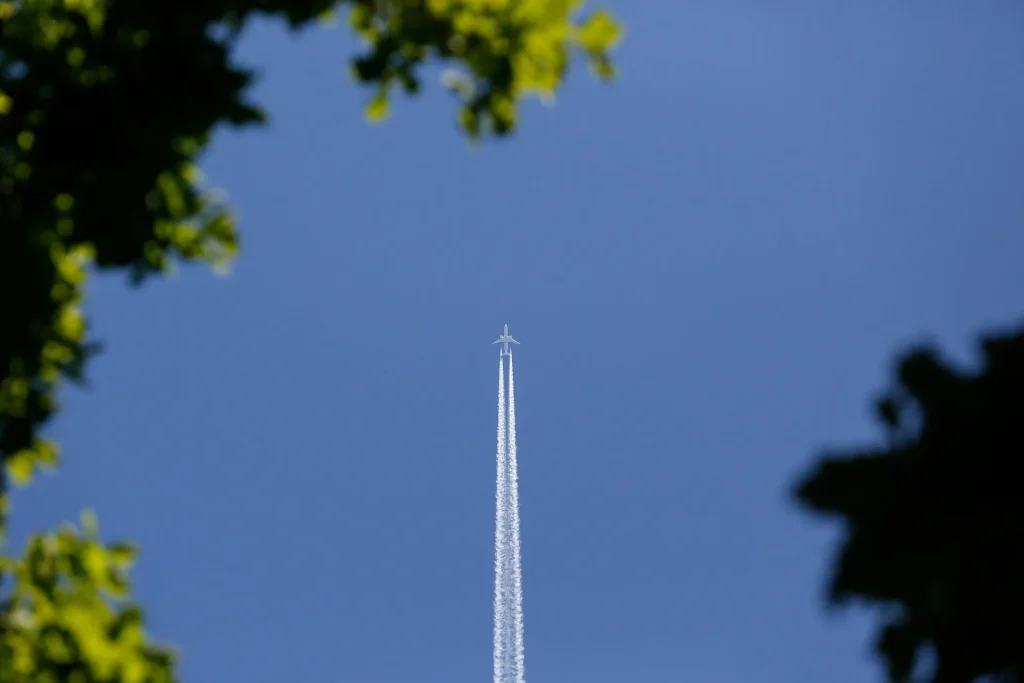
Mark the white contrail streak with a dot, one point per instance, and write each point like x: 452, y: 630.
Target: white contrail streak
x: 517, y: 565
x: 508, y: 573
x: 500, y: 556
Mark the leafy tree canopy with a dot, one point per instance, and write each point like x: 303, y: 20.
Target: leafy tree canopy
x: 105, y: 106
x: 935, y: 519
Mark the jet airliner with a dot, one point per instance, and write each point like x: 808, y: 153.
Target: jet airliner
x: 505, y: 340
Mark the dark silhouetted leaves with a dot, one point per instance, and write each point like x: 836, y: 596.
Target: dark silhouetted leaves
x: 935, y: 522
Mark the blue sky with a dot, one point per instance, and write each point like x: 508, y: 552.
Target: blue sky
x: 710, y: 265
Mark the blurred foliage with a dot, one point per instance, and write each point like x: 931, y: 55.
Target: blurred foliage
x: 66, y: 617
x: 935, y: 519
x: 506, y: 48
x: 105, y: 106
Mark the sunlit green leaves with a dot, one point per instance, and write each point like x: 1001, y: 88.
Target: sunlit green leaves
x: 597, y: 37
x: 67, y: 616
x: 508, y: 49
x: 378, y: 107
x: 22, y: 465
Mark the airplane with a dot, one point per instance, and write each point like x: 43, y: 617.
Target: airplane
x: 505, y: 340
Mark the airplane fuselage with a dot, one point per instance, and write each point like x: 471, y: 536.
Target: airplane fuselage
x: 505, y: 339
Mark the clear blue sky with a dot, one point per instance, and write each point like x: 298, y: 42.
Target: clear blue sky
x: 710, y: 265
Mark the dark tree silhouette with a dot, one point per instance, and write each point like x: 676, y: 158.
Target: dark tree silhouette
x: 934, y: 520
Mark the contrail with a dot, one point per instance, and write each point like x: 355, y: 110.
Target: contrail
x: 508, y: 570
x: 517, y: 565
x: 500, y: 556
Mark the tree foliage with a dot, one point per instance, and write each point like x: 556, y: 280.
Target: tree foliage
x: 935, y: 519
x: 66, y: 618
x: 105, y: 106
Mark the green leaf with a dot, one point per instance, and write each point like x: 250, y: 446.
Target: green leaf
x: 122, y: 554
x: 23, y: 464
x: 378, y: 107
x: 600, y: 33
